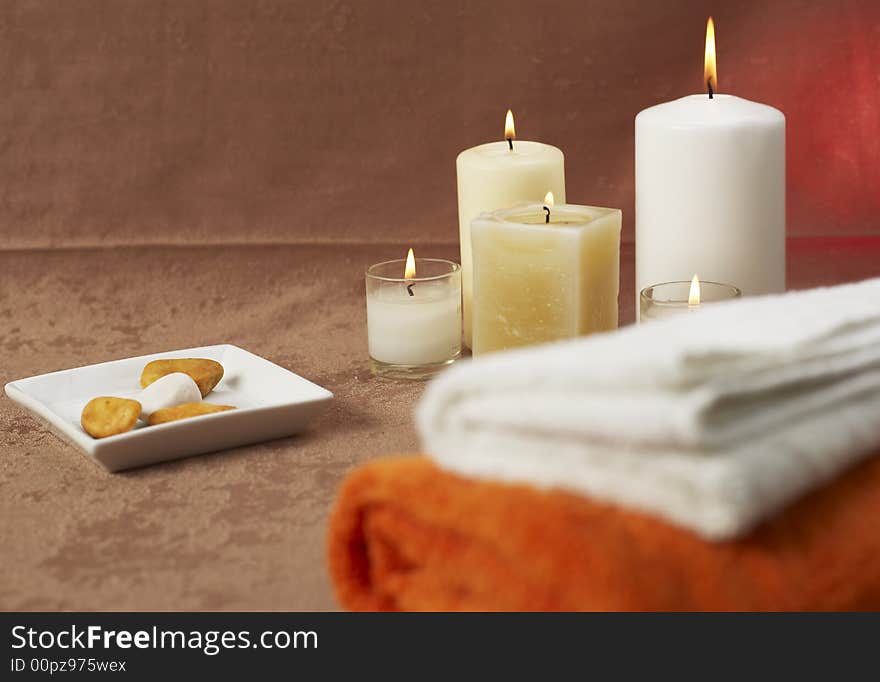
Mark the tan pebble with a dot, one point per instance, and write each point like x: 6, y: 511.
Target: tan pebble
x: 170, y: 414
x: 108, y: 416
x: 206, y: 373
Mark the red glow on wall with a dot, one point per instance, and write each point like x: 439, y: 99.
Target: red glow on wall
x: 833, y: 118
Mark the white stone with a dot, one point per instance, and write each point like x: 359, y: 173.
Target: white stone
x: 169, y: 391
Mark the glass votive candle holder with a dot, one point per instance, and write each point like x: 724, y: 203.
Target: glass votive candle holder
x: 670, y: 299
x: 413, y: 322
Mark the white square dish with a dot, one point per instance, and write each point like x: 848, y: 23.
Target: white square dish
x: 271, y: 402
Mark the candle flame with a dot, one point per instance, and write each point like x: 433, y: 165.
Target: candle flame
x: 549, y: 199
x: 710, y: 68
x: 694, y: 295
x: 409, y: 272
x: 509, y: 129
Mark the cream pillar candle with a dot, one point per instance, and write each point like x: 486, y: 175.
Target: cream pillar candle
x: 710, y: 190
x: 537, y: 280
x: 498, y: 175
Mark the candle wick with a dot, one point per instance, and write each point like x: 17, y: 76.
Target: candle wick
x: 711, y: 92
x: 547, y: 217
x: 409, y: 288
x: 510, y: 143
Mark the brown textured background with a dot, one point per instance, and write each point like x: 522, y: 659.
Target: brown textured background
x: 177, y: 174
x: 172, y: 121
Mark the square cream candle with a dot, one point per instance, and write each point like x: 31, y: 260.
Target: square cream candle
x: 544, y: 273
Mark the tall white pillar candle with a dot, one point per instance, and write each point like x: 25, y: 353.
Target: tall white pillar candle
x: 710, y: 192
x: 498, y: 175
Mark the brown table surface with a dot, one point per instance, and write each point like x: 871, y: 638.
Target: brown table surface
x: 240, y: 529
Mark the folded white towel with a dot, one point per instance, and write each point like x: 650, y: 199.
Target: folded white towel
x: 712, y: 420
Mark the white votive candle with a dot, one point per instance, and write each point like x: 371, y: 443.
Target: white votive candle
x: 671, y: 299
x: 413, y: 316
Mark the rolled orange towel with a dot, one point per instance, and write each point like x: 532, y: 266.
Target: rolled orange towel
x: 405, y: 535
